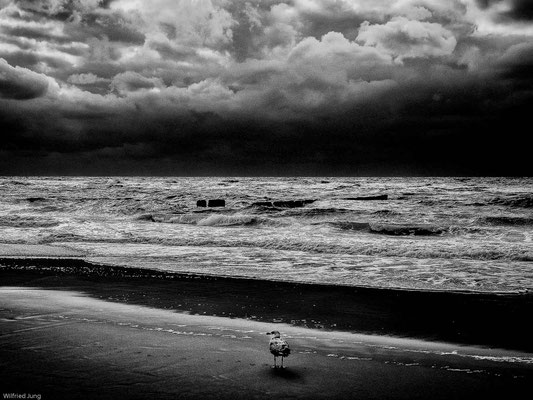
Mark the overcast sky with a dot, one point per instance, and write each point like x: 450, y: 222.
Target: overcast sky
x: 296, y: 87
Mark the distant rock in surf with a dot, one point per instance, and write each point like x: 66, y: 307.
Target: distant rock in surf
x: 216, y: 203
x: 283, y: 203
x: 211, y: 203
x: 34, y: 199
x: 292, y: 203
x: 378, y: 197
x: 405, y: 230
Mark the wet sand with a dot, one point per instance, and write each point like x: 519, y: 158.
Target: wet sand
x: 70, y: 329
x: 486, y: 319
x: 65, y: 344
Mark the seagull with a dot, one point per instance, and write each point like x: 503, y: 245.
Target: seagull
x: 279, y: 347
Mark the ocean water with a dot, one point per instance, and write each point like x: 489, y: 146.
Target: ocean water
x: 467, y: 234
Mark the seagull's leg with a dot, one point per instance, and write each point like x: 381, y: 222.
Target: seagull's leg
x: 275, y: 366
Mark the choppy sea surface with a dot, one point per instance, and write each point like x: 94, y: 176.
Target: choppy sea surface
x: 473, y: 234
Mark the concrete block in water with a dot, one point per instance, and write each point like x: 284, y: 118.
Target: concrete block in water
x: 216, y: 203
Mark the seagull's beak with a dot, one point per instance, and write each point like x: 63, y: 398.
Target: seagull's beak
x: 269, y: 333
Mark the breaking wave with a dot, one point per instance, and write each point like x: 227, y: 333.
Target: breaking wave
x: 145, y: 217
x: 521, y: 201
x: 316, y: 212
x: 209, y: 219
x: 411, y: 249
x: 386, y: 212
x: 507, y: 220
x: 351, y: 226
x: 398, y: 229
x: 228, y: 220
x: 16, y: 182
x: 216, y: 220
x: 20, y: 221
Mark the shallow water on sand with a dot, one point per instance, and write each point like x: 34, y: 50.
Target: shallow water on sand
x: 69, y: 345
x: 43, y: 307
x: 429, y: 234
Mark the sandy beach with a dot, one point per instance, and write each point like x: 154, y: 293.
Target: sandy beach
x: 69, y: 329
x: 497, y: 320
x: 63, y: 344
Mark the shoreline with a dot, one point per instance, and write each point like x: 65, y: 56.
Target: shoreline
x: 135, y: 272
x: 498, y: 320
x: 12, y: 252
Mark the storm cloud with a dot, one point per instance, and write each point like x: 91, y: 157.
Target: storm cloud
x: 307, y: 87
x: 20, y: 83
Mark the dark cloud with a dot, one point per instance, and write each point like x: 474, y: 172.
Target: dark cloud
x: 327, y: 87
x: 516, y: 64
x: 484, y: 4
x: 30, y: 59
x: 115, y: 26
x: 29, y: 32
x: 20, y: 83
x: 61, y: 8
x: 521, y: 10
x: 458, y: 132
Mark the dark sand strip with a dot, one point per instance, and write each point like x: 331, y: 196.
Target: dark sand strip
x: 66, y: 345
x: 496, y: 320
